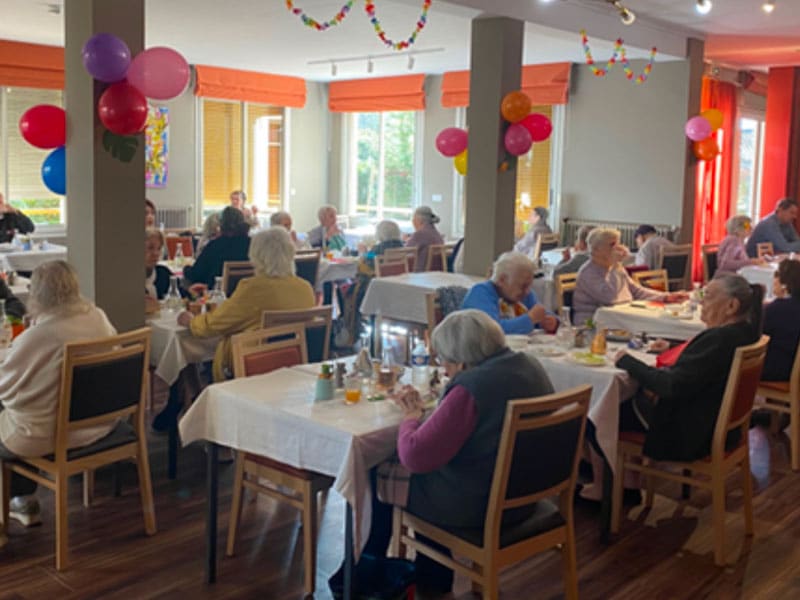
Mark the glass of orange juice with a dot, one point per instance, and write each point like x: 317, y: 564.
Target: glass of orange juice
x: 352, y: 389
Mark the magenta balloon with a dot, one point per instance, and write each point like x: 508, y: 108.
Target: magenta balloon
x: 518, y: 139
x: 160, y: 73
x: 106, y: 57
x: 451, y: 141
x: 538, y: 125
x: 697, y: 129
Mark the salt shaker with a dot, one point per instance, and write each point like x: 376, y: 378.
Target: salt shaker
x: 341, y: 371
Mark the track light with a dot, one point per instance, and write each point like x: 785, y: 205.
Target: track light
x: 370, y: 65
x: 703, y: 6
x: 334, y: 69
x: 410, y: 62
x: 768, y: 6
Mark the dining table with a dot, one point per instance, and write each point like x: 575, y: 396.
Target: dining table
x: 653, y: 318
x: 332, y: 270
x: 25, y: 258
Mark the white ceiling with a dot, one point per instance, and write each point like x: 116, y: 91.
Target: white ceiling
x: 262, y: 35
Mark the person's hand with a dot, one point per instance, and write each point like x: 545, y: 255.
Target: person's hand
x: 150, y: 305
x: 677, y: 296
x: 198, y: 289
x: 537, y: 313
x: 758, y: 261
x: 565, y: 254
x: 254, y: 210
x: 621, y: 252
x: 550, y: 323
x: 409, y: 400
x: 6, y: 208
x: 658, y: 345
x: 619, y: 354
x: 184, y: 318
x: 293, y: 235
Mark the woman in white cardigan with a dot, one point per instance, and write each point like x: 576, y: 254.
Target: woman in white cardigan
x: 30, y: 374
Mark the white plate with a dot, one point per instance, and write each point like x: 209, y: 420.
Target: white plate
x: 597, y: 362
x: 517, y: 342
x: 548, y: 351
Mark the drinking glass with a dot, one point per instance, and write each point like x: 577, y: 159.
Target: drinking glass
x: 352, y: 389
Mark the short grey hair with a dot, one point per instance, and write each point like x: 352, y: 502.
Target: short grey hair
x: 211, y: 225
x: 279, y: 217
x: 511, y: 263
x: 737, y: 223
x: 601, y: 235
x: 324, y: 210
x: 426, y: 215
x: 467, y: 337
x: 583, y: 232
x: 54, y: 288
x: 272, y: 252
x: 387, y: 230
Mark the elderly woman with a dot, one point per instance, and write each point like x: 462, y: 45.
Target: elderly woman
x: 451, y: 453
x: 603, y: 281
x: 387, y: 236
x: 782, y: 322
x: 30, y: 374
x: 327, y: 235
x: 680, y: 423
x: 156, y: 276
x: 508, y: 299
x: 732, y: 254
x: 539, y: 225
x: 274, y: 287
x: 209, y: 231
x: 425, y: 235
x: 231, y: 245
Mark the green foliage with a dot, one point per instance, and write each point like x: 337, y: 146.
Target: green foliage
x: 42, y: 211
x: 121, y: 147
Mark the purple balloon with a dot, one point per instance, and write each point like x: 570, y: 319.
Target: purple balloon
x: 518, y: 139
x: 697, y: 129
x: 106, y: 57
x: 451, y: 141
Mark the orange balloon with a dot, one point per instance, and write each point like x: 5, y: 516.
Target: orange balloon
x: 707, y: 149
x: 714, y: 117
x: 515, y: 106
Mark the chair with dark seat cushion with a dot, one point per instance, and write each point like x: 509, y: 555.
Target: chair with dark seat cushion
x: 316, y: 320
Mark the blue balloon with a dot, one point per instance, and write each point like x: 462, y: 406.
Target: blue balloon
x: 54, y: 171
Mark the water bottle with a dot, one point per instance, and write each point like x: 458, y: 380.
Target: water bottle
x: 179, y: 258
x: 419, y: 365
x: 565, y: 336
x: 217, y: 295
x: 173, y: 301
x: 6, y: 333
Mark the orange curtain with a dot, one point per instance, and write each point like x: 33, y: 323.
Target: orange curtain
x: 250, y: 86
x: 31, y: 65
x: 544, y: 84
x: 374, y: 95
x: 714, y: 191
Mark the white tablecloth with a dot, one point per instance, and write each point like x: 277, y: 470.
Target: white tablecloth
x: 21, y: 288
x: 336, y: 270
x: 274, y: 415
x: 402, y: 297
x: 27, y: 260
x: 762, y: 274
x: 173, y: 347
x: 653, y: 320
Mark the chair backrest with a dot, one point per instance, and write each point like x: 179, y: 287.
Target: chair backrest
x: 317, y: 322
x: 536, y: 252
x: 450, y: 254
x: 710, y: 253
x: 676, y: 260
x: 442, y: 302
x: 409, y: 253
x: 565, y: 287
x: 655, y: 279
x: 102, y: 380
x: 264, y: 350
x: 437, y: 259
x: 185, y: 242
x: 307, y: 266
x: 386, y: 266
x: 233, y: 271
x: 740, y: 393
x: 548, y: 241
x: 764, y: 249
x: 538, y: 455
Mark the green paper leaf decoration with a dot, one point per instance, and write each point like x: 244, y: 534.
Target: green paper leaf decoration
x: 121, y: 147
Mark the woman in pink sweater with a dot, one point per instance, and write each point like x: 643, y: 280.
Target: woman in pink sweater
x: 732, y: 254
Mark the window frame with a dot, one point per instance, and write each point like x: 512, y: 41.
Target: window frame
x: 758, y: 163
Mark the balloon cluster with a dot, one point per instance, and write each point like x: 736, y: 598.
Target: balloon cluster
x: 45, y: 126
x: 701, y: 130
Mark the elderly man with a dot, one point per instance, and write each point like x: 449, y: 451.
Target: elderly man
x: 778, y: 228
x: 508, y: 299
x: 539, y: 225
x: 327, y: 234
x: 572, y: 261
x: 11, y: 220
x: 649, y: 244
x: 603, y: 281
x: 284, y: 219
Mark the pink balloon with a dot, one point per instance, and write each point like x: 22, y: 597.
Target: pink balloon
x: 538, y: 125
x: 159, y: 72
x: 451, y: 141
x: 518, y: 139
x: 697, y: 129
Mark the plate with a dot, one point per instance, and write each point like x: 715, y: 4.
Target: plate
x: 548, y: 351
x: 588, y: 359
x: 517, y: 342
x: 618, y: 335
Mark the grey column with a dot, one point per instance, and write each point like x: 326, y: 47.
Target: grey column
x: 694, y: 56
x: 495, y: 70
x: 105, y: 196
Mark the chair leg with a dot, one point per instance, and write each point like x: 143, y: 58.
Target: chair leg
x: 397, y: 547
x: 309, y: 538
x: 62, y: 524
x: 236, y: 503
x: 570, y: 563
x: 718, y: 517
x: 649, y: 490
x: 88, y: 487
x: 5, y: 496
x: 794, y: 433
x: 616, y: 492
x: 491, y: 584
x: 145, y: 487
x: 747, y: 495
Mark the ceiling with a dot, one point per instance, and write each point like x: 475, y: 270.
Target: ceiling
x: 262, y: 35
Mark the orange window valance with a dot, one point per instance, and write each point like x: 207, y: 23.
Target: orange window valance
x: 374, y: 95
x: 31, y: 65
x: 250, y: 86
x: 544, y: 84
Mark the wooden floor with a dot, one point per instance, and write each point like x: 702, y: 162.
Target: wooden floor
x: 663, y: 554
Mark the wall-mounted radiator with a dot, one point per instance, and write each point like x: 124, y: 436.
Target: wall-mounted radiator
x: 174, y: 218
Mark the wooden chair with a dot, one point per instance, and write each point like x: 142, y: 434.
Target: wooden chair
x: 185, y: 242
x: 784, y: 397
x: 435, y: 312
x: 254, y: 353
x: 565, y: 286
x: 677, y: 262
x: 233, y: 271
x: 713, y: 470
x: 409, y: 253
x: 449, y: 255
x: 437, y: 258
x: 655, y: 279
x: 533, y: 427
x: 386, y: 266
x: 710, y: 253
x: 536, y: 252
x: 103, y: 382
x: 548, y: 241
x: 317, y: 322
x: 307, y: 266
x: 764, y: 249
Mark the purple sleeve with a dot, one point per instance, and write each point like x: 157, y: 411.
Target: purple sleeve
x: 430, y: 445
x: 732, y: 256
x: 642, y: 293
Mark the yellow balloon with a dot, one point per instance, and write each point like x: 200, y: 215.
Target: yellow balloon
x: 714, y: 117
x: 460, y: 162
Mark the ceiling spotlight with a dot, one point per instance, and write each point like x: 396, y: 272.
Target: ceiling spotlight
x: 334, y: 69
x: 370, y: 65
x: 703, y: 6
x: 410, y: 62
x: 768, y: 6
x: 626, y: 15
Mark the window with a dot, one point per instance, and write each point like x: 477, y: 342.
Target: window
x: 381, y: 164
x: 751, y: 154
x: 21, y: 164
x: 242, y: 150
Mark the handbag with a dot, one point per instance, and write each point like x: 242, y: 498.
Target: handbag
x: 392, y: 482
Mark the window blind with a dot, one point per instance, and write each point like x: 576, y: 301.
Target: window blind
x: 222, y: 151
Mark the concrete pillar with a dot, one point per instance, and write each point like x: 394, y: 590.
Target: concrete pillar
x: 495, y: 70
x: 105, y: 196
x: 694, y: 56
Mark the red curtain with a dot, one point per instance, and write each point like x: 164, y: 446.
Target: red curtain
x: 713, y: 197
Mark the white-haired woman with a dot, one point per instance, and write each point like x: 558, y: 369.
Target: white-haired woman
x: 508, y: 298
x: 732, y: 254
x: 425, y: 235
x: 210, y: 231
x: 327, y: 234
x: 451, y: 454
x: 274, y: 287
x: 30, y: 374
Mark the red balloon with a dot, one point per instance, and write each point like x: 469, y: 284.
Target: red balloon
x: 44, y: 126
x: 122, y: 109
x: 539, y: 126
x: 707, y: 149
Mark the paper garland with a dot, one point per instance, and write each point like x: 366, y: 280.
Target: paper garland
x: 313, y: 23
x: 617, y: 56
